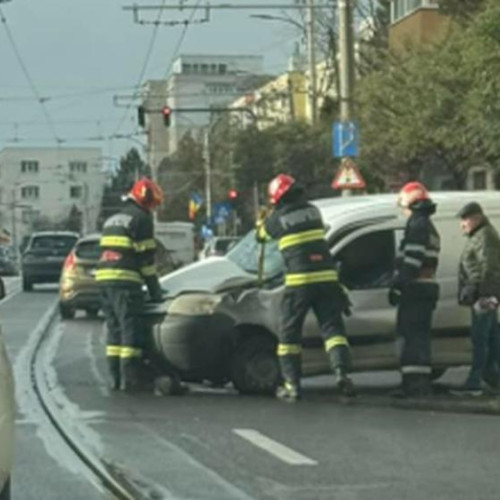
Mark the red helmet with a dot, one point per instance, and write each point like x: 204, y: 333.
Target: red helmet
x: 412, y: 192
x: 146, y: 193
x: 279, y: 186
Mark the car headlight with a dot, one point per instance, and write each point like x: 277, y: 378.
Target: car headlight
x: 195, y: 304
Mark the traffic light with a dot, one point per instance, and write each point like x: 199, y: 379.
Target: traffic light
x: 167, y: 113
x: 141, y: 116
x: 232, y: 194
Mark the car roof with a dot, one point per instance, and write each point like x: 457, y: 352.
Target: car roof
x: 90, y: 238
x: 54, y: 233
x: 342, y: 210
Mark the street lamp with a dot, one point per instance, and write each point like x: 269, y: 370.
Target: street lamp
x: 268, y: 17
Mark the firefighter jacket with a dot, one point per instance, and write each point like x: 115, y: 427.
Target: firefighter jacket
x: 419, y: 249
x: 300, y: 232
x: 128, y: 249
x: 479, y: 271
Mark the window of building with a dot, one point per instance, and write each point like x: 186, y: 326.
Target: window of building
x: 204, y: 69
x: 222, y: 69
x: 402, y: 8
x: 78, y: 167
x: 29, y: 166
x: 213, y: 68
x: 75, y: 191
x: 186, y: 68
x: 196, y: 68
x: 30, y: 192
x: 479, y: 181
x: 368, y: 261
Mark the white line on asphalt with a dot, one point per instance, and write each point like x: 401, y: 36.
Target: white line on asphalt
x: 279, y: 450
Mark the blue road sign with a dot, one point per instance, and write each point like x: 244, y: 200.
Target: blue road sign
x: 345, y: 139
x: 221, y: 212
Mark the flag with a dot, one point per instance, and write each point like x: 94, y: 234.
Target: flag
x: 195, y: 202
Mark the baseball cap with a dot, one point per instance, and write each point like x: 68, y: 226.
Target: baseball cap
x: 472, y: 208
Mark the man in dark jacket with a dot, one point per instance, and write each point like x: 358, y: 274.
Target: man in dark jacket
x: 479, y: 288
x: 310, y: 282
x: 415, y: 290
x: 127, y: 261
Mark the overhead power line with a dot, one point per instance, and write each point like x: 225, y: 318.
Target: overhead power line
x: 28, y: 76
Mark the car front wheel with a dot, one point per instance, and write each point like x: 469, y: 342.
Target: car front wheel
x: 254, y: 366
x: 66, y: 311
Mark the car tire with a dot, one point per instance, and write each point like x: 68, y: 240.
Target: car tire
x: 254, y: 366
x: 27, y: 284
x: 5, y: 493
x: 92, y: 312
x: 66, y: 311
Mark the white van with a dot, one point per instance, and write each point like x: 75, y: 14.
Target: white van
x: 220, y: 325
x: 178, y: 239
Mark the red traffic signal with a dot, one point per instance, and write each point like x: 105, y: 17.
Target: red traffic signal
x: 232, y: 194
x: 167, y: 113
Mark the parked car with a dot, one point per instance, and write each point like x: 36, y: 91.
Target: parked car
x: 8, y: 264
x: 44, y: 256
x: 218, y: 246
x: 6, y: 421
x: 220, y: 325
x: 78, y: 289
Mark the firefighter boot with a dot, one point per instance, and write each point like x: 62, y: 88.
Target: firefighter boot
x: 288, y: 392
x: 130, y: 381
x: 114, y: 371
x: 169, y: 386
x: 344, y: 384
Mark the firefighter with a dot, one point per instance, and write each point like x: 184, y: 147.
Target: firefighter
x: 310, y: 282
x: 415, y: 291
x: 127, y: 261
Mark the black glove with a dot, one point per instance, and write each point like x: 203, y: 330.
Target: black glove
x: 394, y: 295
x: 156, y: 293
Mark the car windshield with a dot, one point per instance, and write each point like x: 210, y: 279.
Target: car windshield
x: 60, y: 244
x: 246, y: 255
x: 88, y: 250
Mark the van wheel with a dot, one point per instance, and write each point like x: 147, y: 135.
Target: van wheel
x: 254, y: 366
x: 437, y: 373
x: 66, y: 311
x: 27, y: 284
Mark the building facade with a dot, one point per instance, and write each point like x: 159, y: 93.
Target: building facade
x: 44, y: 184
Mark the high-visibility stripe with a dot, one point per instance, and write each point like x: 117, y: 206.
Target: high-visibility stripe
x: 117, y: 275
x: 116, y: 241
x: 145, y: 245
x: 416, y: 369
x: 412, y: 262
x: 338, y: 340
x: 113, y: 350
x: 300, y: 238
x: 148, y: 270
x: 312, y: 277
x: 431, y: 253
x: 261, y: 231
x: 130, y: 352
x: 414, y: 247
x: 289, y: 349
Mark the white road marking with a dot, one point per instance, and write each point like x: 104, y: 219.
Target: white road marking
x: 276, y: 449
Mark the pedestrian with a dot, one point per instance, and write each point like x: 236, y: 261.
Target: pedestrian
x: 311, y: 282
x: 127, y: 261
x: 479, y: 289
x: 415, y: 291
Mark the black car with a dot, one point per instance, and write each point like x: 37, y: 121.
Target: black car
x: 8, y: 264
x: 44, y: 256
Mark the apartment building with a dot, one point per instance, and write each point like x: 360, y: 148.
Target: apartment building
x: 47, y: 183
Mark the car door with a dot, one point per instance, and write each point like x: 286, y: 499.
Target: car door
x: 366, y: 259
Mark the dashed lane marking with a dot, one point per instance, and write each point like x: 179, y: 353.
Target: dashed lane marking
x: 278, y: 450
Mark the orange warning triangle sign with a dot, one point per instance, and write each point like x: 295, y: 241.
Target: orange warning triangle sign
x: 348, y: 176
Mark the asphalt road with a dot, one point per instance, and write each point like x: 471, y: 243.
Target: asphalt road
x: 44, y: 467
x: 216, y: 445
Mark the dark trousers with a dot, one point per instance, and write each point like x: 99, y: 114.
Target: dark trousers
x: 122, y: 307
x: 486, y: 349
x: 297, y: 301
x: 414, y: 322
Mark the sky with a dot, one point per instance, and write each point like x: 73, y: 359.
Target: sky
x: 80, y: 54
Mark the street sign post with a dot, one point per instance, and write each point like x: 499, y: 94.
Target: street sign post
x: 345, y: 139
x: 348, y: 176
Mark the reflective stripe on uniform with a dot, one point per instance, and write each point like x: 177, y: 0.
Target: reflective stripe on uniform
x: 412, y: 262
x: 113, y: 350
x: 261, y: 231
x: 416, y: 369
x: 145, y: 245
x: 414, y: 247
x: 130, y: 352
x: 336, y: 341
x: 308, y: 278
x: 148, y: 270
x: 289, y: 349
x: 300, y: 238
x: 116, y: 241
x: 117, y: 275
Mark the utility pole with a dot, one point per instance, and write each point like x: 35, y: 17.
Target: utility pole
x: 311, y: 50
x: 346, y: 59
x: 208, y: 172
x: 13, y: 214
